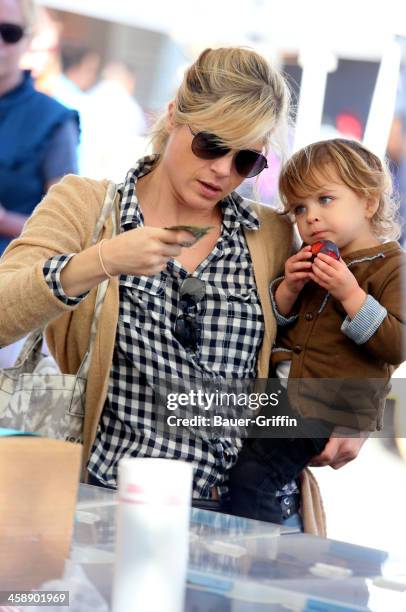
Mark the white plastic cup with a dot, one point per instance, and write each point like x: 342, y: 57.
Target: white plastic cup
x: 152, y: 535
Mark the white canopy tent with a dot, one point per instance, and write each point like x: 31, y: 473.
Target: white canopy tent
x: 318, y: 32
x: 348, y: 28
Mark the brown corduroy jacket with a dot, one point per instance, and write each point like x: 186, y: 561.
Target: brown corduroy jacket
x: 63, y: 223
x: 333, y: 376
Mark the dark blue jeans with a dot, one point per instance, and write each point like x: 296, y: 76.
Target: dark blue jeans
x: 266, y: 464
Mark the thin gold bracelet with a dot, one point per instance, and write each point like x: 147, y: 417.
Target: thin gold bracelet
x: 101, y: 259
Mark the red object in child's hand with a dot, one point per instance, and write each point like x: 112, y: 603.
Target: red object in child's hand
x: 325, y: 246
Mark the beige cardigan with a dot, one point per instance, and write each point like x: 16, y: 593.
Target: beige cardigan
x: 63, y: 223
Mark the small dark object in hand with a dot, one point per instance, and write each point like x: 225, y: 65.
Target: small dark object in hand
x: 197, y: 231
x: 327, y: 247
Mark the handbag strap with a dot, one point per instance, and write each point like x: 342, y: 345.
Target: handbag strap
x: 34, y: 340
x: 107, y: 210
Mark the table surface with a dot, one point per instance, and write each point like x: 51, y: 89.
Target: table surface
x: 238, y: 565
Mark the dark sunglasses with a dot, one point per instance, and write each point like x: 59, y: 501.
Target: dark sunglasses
x: 11, y: 33
x: 187, y: 329
x: 248, y: 163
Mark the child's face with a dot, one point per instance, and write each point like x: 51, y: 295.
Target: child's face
x: 335, y: 212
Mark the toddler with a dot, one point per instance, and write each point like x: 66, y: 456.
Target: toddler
x: 341, y: 321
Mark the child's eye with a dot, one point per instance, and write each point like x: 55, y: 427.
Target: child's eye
x: 298, y: 210
x: 325, y: 199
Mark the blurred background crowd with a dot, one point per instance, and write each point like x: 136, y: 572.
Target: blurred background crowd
x: 117, y: 66
x: 113, y: 66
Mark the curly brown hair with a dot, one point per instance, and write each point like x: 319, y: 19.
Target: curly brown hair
x: 357, y: 167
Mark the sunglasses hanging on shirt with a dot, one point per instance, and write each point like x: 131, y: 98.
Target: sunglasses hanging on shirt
x: 11, y: 33
x: 187, y: 328
x: 248, y: 163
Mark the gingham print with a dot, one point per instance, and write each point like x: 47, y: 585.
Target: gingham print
x: 146, y: 351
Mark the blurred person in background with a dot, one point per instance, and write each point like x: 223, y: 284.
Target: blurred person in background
x: 80, y: 67
x: 38, y: 136
x: 111, y: 151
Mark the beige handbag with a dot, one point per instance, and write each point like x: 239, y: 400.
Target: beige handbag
x: 34, y: 395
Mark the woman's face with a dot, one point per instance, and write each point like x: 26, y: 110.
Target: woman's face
x: 200, y: 183
x: 10, y: 54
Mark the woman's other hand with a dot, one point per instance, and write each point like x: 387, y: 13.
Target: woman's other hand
x: 340, y: 450
x: 144, y: 250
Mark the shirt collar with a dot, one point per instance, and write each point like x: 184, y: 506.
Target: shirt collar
x: 236, y: 210
x: 131, y: 215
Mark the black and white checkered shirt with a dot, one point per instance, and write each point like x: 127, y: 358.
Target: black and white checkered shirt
x: 146, y: 350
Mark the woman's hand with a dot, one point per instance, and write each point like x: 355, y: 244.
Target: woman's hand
x: 143, y: 250
x: 339, y: 450
x: 297, y: 274
x: 339, y: 281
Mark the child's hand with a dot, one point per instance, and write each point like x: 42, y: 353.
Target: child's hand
x: 297, y: 270
x: 339, y: 281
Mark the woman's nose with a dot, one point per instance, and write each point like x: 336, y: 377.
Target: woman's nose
x: 223, y: 165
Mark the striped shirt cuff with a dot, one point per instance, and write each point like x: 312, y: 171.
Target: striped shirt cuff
x: 52, y: 273
x: 366, y: 322
x: 280, y: 319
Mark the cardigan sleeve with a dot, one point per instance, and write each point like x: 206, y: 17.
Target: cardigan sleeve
x: 62, y: 223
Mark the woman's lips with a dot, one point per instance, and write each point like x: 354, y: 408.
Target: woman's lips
x: 209, y: 189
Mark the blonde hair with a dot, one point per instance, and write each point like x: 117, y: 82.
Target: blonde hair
x: 356, y: 166
x: 232, y: 92
x: 29, y: 12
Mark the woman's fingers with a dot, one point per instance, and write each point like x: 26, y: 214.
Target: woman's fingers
x: 181, y: 237
x: 170, y: 250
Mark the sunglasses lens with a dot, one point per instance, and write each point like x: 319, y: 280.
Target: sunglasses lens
x: 207, y: 146
x: 187, y: 331
x: 249, y: 163
x: 11, y: 33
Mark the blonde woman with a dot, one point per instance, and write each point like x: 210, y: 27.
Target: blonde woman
x: 214, y: 134
x: 38, y: 136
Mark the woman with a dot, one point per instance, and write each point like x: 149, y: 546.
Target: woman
x: 38, y: 136
x: 214, y: 134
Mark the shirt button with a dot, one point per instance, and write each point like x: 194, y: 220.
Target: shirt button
x: 309, y: 316
x: 297, y: 349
